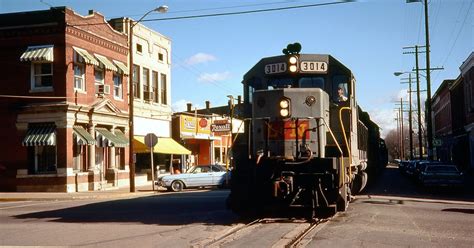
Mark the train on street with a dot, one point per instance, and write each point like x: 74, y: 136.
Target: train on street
x: 307, y: 144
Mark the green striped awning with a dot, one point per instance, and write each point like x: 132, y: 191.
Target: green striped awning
x: 107, y: 138
x: 122, y: 67
x: 38, y: 53
x: 88, y: 58
x: 106, y: 63
x: 40, y: 135
x: 120, y: 135
x: 83, y: 137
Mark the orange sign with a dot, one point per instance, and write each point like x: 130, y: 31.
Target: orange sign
x: 287, y: 130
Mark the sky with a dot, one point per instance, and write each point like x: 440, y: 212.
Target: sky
x: 210, y: 55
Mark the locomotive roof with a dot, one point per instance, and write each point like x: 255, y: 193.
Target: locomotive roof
x: 258, y: 69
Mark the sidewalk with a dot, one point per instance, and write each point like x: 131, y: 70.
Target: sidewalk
x: 123, y: 192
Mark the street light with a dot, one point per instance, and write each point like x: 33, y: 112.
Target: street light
x: 161, y: 9
x: 418, y: 101
x: 428, y: 79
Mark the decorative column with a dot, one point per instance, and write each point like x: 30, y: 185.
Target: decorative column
x: 95, y: 180
x: 91, y: 153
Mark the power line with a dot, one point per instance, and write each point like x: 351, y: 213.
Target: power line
x: 228, y: 7
x: 459, y: 32
x: 229, y: 13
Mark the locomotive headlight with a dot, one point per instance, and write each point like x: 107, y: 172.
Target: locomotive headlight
x: 284, y: 104
x: 293, y: 68
x: 293, y: 60
x: 285, y: 107
x: 293, y: 63
x: 284, y: 112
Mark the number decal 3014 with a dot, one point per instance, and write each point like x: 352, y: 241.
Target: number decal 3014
x: 313, y: 66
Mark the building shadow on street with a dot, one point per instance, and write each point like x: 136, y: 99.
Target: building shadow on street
x: 205, y: 207
x: 393, y: 183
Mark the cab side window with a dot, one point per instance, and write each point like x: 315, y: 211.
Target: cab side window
x: 340, y: 89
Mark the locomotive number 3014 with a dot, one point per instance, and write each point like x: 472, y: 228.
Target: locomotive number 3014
x: 275, y: 68
x: 313, y: 66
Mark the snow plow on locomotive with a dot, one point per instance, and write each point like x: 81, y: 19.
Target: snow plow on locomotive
x: 304, y: 145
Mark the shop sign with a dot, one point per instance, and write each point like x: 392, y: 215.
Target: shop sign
x: 220, y: 126
x: 191, y: 125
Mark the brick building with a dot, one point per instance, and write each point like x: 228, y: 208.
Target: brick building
x: 63, y: 102
x: 467, y: 77
x: 453, y: 118
x: 441, y: 108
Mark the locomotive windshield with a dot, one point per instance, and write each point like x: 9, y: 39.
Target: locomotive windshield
x: 311, y: 82
x: 304, y: 82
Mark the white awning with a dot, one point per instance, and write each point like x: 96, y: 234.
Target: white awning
x: 40, y: 135
x: 122, y: 67
x: 86, y: 56
x: 106, y: 63
x: 38, y: 53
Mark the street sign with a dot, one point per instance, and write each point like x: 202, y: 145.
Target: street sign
x: 437, y: 142
x: 151, y: 140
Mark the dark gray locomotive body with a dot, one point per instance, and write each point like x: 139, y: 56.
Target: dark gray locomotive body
x: 304, y: 145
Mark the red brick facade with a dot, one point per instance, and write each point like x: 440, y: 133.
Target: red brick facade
x: 453, y: 118
x: 77, y: 166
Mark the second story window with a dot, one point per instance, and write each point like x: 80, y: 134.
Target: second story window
x: 79, y: 82
x: 146, y: 80
x: 42, y: 75
x: 160, y: 57
x: 154, y: 86
x: 118, y: 86
x: 139, y: 48
x: 41, y: 58
x: 163, y: 90
x: 99, y: 75
x: 136, y: 81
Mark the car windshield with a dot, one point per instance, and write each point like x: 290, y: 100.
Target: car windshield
x: 441, y: 168
x: 198, y: 169
x: 204, y: 168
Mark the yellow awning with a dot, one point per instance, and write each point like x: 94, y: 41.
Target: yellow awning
x: 164, y: 145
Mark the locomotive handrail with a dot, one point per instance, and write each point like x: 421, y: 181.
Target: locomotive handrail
x: 342, y: 177
x: 344, y: 132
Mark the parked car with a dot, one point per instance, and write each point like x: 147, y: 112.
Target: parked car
x: 421, y: 165
x: 411, y: 167
x: 441, y: 175
x: 403, y: 165
x: 196, y: 176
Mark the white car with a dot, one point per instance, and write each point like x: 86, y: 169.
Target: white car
x: 196, y: 176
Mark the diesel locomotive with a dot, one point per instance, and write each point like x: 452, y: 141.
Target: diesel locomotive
x: 307, y: 144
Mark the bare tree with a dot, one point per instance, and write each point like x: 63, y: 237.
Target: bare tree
x: 393, y: 144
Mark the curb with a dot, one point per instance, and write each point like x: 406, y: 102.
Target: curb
x: 15, y: 197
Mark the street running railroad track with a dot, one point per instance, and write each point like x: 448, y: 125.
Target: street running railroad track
x: 265, y: 232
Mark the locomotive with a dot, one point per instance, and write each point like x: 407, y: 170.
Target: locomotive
x: 306, y: 144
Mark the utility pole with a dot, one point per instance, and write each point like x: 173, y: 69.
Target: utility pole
x: 398, y: 134
x: 418, y: 101
x: 402, y: 132
x: 410, y: 126
x: 428, y: 85
x: 403, y: 136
